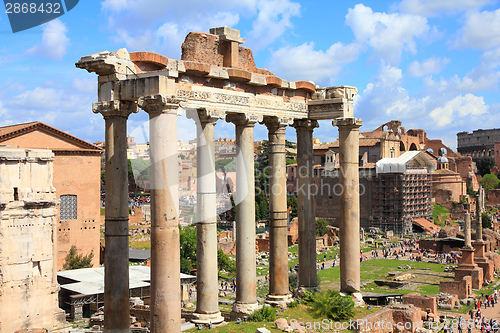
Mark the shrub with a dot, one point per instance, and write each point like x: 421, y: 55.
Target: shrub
x: 293, y: 304
x: 330, y: 304
x: 266, y: 313
x: 292, y: 281
x: 74, y: 260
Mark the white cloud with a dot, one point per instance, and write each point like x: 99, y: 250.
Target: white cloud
x: 432, y: 7
x: 429, y: 66
x: 274, y: 18
x: 303, y: 62
x: 54, y: 41
x: 460, y: 106
x: 386, y: 99
x: 481, y: 30
x: 87, y: 85
x: 387, y: 34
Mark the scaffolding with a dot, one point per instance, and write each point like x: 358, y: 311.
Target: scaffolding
x: 399, y: 198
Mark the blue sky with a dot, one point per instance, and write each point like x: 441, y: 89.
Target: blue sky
x: 431, y: 64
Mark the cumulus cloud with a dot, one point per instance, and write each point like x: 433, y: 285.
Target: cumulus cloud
x: 432, y: 7
x: 304, y: 62
x: 461, y: 106
x: 481, y: 30
x: 387, y: 34
x: 273, y: 19
x: 385, y: 98
x: 54, y: 41
x: 428, y: 66
x: 65, y: 108
x: 87, y: 85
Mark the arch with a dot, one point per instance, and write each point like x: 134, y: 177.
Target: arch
x: 443, y: 150
x: 402, y: 146
x: 429, y: 150
x: 413, y: 146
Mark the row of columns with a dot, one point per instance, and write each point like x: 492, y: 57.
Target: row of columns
x: 165, y: 248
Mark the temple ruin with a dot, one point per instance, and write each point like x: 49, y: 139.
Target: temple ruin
x: 216, y: 79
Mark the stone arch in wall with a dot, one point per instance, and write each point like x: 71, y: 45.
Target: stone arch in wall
x: 402, y: 147
x: 413, y: 146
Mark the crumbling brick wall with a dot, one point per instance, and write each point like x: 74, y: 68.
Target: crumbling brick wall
x: 423, y: 302
x: 395, y: 318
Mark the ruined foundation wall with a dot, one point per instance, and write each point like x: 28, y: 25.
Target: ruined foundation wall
x: 28, y: 292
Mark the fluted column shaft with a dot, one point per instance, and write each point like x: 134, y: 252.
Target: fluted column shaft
x: 207, y: 303
x: 165, y: 304
x: 116, y: 271
x: 350, y: 279
x: 278, y: 217
x: 308, y: 278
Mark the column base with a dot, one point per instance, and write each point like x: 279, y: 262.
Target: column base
x: 279, y: 300
x: 207, y: 318
x: 243, y: 309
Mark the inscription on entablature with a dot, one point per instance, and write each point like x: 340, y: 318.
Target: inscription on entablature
x: 240, y: 100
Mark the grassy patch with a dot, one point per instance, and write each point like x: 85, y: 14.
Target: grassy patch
x: 439, y: 214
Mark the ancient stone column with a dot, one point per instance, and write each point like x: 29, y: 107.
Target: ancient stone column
x: 116, y: 271
x: 165, y: 303
x: 349, y: 204
x: 479, y: 210
x: 467, y: 233
x: 479, y: 218
x: 207, y: 303
x: 308, y: 279
x: 246, y: 280
x: 278, y: 217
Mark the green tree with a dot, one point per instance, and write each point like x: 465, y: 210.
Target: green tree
x: 74, y: 260
x: 490, y: 181
x: 321, y: 228
x: 292, y: 202
x: 225, y: 165
x: 264, y: 209
x: 485, y: 164
x: 224, y: 262
x: 257, y: 211
x: 486, y: 220
x: 187, y: 238
x: 470, y: 190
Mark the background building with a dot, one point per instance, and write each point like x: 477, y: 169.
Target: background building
x: 76, y: 180
x: 479, y: 143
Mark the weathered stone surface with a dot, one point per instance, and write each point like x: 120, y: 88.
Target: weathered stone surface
x: 281, y: 323
x: 29, y: 289
x: 262, y: 330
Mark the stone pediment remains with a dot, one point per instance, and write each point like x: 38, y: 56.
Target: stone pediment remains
x: 215, y: 74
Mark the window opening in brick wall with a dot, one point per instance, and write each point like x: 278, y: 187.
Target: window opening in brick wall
x: 68, y: 207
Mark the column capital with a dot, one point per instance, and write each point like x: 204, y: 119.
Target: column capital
x: 115, y: 108
x: 277, y: 122
x: 205, y: 115
x: 349, y: 122
x: 305, y: 124
x: 243, y: 118
x: 159, y: 103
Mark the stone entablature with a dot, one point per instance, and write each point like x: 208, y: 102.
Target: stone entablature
x: 28, y: 204
x: 200, y: 81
